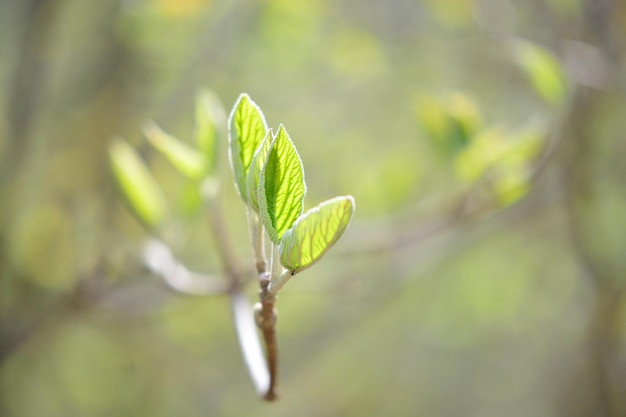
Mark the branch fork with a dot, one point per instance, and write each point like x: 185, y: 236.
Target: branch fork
x: 262, y: 368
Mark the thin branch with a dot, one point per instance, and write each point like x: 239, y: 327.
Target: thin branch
x: 385, y: 238
x: 266, y: 318
x: 263, y: 373
x: 265, y: 314
x: 257, y: 236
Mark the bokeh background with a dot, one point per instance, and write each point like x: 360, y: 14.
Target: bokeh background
x: 483, y: 141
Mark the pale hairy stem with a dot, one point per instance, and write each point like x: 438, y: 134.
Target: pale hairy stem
x: 265, y: 315
x: 257, y: 237
x: 280, y: 281
x: 262, y: 372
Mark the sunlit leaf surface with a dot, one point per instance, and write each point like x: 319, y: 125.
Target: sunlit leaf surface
x: 254, y: 173
x: 315, y: 232
x: 247, y: 128
x: 281, y: 186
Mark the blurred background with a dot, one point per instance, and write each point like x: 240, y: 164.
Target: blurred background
x: 483, y: 272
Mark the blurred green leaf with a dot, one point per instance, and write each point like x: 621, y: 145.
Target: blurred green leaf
x: 189, y: 199
x: 464, y: 118
x: 247, y: 129
x: 281, y: 186
x: 254, y: 173
x: 450, y: 122
x: 484, y: 151
x: 514, y: 167
x: 432, y: 118
x: 543, y: 70
x: 315, y: 232
x: 524, y: 145
x: 210, y: 117
x: 136, y: 183
x: 505, y: 158
x: 511, y: 185
x: 184, y: 158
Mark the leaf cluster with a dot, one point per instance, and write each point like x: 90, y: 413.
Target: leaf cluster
x: 269, y: 177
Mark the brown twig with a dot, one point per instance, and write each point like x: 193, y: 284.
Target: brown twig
x: 262, y: 372
x: 266, y: 321
x: 265, y: 314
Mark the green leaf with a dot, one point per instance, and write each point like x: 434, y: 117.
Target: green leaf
x: 474, y: 161
x: 451, y: 122
x: 210, y: 118
x: 184, y: 158
x: 511, y: 185
x: 254, y: 173
x: 543, y: 70
x: 247, y: 129
x: 315, y: 232
x: 464, y: 119
x: 281, y: 186
x: 136, y: 183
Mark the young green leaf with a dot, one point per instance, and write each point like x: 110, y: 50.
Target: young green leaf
x: 451, y: 122
x: 258, y: 162
x: 281, y: 186
x: 543, y: 70
x: 137, y: 185
x: 184, y: 158
x: 247, y: 129
x: 209, y: 119
x: 315, y: 232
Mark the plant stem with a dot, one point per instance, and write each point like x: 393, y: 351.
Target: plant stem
x: 266, y: 315
x: 263, y: 373
x: 266, y: 320
x: 280, y: 281
x: 257, y: 238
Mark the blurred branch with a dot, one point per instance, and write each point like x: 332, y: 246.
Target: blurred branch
x: 160, y: 260
x: 10, y: 341
x: 378, y: 239
x: 579, y: 183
